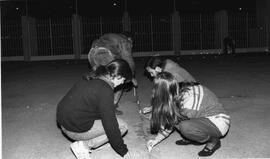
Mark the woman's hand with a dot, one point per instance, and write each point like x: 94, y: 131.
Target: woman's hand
x: 146, y: 110
x: 127, y: 156
x: 150, y: 144
x: 135, y: 83
x: 133, y: 154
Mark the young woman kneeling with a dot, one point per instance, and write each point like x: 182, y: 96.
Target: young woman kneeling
x: 192, y: 109
x: 86, y: 114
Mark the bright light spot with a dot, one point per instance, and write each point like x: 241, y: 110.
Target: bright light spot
x: 114, y: 4
x: 240, y: 9
x: 17, y: 8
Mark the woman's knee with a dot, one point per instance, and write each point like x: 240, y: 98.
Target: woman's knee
x: 188, y: 129
x: 193, y: 131
x: 185, y: 127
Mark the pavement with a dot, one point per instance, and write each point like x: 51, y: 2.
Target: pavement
x: 31, y: 91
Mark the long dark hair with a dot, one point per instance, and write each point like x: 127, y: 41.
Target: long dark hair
x: 117, y: 67
x: 155, y: 61
x: 167, y: 100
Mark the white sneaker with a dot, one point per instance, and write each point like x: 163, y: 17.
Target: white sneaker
x: 79, y: 150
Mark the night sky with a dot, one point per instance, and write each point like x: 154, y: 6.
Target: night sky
x: 39, y: 8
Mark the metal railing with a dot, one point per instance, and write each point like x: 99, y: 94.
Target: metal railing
x: 11, y: 38
x: 55, y: 37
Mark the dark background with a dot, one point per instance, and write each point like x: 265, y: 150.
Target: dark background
x: 40, y: 8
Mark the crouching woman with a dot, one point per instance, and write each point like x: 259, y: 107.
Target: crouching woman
x: 192, y: 109
x: 86, y: 114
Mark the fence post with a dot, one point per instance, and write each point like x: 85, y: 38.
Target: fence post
x: 100, y: 25
x: 201, y: 32
x: 77, y: 35
x: 247, y: 28
x: 221, y: 28
x: 176, y: 33
x: 126, y: 22
x: 268, y: 31
x: 51, y: 36
x: 152, y: 33
x: 29, y: 37
x: 263, y: 18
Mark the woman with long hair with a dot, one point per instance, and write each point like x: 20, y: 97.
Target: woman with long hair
x: 86, y: 114
x: 189, y: 107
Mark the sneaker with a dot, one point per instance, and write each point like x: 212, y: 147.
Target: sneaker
x: 80, y: 150
x: 210, y: 148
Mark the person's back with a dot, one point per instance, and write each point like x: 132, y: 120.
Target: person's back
x: 112, y: 46
x: 180, y: 73
x: 86, y: 114
x: 87, y: 96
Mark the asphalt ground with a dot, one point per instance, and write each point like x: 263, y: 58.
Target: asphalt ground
x: 31, y: 91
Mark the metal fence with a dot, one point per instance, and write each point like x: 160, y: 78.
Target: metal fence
x: 246, y: 31
x: 93, y: 28
x: 11, y: 38
x: 198, y: 32
x: 55, y: 37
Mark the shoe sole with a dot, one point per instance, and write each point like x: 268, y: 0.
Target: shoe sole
x: 78, y: 155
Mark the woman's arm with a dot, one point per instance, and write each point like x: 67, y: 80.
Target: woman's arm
x: 109, y: 121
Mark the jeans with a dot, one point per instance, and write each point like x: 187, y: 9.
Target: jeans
x: 96, y: 136
x: 198, y: 129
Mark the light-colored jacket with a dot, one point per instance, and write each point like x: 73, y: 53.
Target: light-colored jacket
x: 178, y: 72
x: 200, y: 102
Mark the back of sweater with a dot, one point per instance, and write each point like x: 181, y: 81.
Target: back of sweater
x: 86, y: 102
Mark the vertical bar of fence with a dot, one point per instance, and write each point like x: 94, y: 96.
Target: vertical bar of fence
x: 51, y: 37
x: 152, y: 38
x: 247, y: 30
x: 100, y: 24
x: 1, y: 76
x: 173, y: 31
x: 126, y: 22
x: 221, y: 30
x: 77, y: 35
x: 220, y: 35
x: 176, y: 33
x: 25, y: 38
x: 267, y: 34
x: 201, y: 32
x: 28, y: 57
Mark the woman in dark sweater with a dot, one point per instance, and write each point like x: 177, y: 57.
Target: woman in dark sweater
x: 86, y: 113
